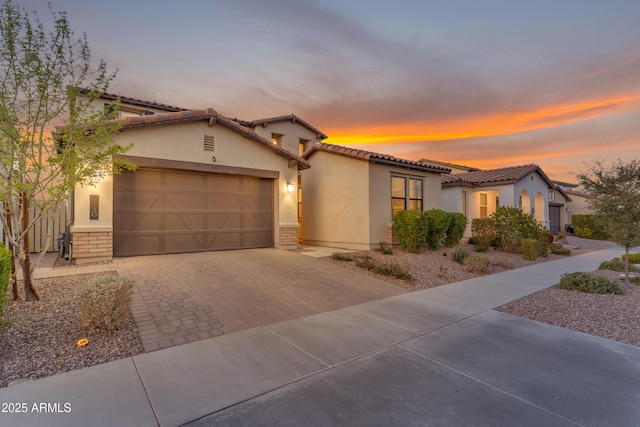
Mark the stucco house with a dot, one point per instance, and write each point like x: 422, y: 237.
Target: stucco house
x: 478, y: 193
x: 204, y: 182
x: 350, y: 195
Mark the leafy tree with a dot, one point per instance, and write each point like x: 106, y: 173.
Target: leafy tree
x: 41, y: 73
x: 615, y: 195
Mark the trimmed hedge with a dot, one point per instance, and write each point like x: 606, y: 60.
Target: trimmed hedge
x: 457, y: 225
x: 530, y: 248
x: 482, y: 233
x: 438, y: 223
x: 412, y: 229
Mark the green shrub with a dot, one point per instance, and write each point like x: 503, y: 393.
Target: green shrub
x: 559, y: 250
x: 477, y: 264
x: 438, y: 222
x: 105, y: 302
x: 459, y: 254
x: 585, y: 282
x: 6, y: 262
x: 617, y: 264
x: 512, y: 225
x: 589, y: 226
x: 482, y: 233
x: 530, y: 248
x: 457, y: 225
x: 340, y: 256
x: 386, y: 248
x: 633, y: 258
x: 634, y: 280
x: 561, y: 236
x: 386, y: 269
x: 412, y: 229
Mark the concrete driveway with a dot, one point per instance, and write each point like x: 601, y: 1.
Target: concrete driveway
x: 188, y: 297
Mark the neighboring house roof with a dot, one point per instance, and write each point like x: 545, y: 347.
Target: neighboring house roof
x: 565, y: 184
x: 137, y: 102
x: 212, y: 117
x: 289, y: 118
x: 449, y: 165
x: 482, y: 178
x: 372, y: 157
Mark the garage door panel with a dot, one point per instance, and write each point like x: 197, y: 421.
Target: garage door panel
x: 136, y: 222
x: 162, y: 211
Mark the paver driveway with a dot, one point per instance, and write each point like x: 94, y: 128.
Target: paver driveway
x: 188, y: 297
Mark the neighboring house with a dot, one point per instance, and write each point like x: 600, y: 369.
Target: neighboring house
x: 479, y: 193
x: 559, y: 211
x: 204, y: 182
x: 131, y: 107
x: 350, y: 195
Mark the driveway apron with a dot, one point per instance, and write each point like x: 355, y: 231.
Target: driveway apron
x: 188, y: 297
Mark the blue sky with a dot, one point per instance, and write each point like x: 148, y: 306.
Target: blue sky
x: 486, y: 83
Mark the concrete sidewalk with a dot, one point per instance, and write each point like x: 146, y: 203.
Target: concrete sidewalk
x: 435, y: 357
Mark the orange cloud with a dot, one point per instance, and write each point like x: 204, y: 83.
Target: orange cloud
x: 483, y: 126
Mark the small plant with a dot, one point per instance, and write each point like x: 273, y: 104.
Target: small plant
x: 617, y: 264
x: 391, y: 269
x: 585, y: 282
x: 339, y: 256
x: 477, y: 264
x: 105, y: 302
x: 562, y: 237
x: 559, y: 250
x: 459, y: 254
x: 635, y: 280
x: 633, y: 258
x: 530, y: 248
x: 412, y: 229
x: 386, y: 248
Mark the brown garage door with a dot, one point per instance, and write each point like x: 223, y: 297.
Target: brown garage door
x: 164, y: 211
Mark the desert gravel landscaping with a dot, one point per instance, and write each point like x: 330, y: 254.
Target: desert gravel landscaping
x: 42, y: 339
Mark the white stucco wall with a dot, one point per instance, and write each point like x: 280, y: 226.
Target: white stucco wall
x: 533, y: 184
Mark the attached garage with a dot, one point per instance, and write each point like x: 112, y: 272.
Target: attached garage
x: 203, y: 182
x: 158, y: 211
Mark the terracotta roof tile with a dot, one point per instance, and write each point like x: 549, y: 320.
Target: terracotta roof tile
x: 137, y: 102
x: 448, y: 165
x: 291, y: 117
x: 506, y: 175
x: 373, y: 157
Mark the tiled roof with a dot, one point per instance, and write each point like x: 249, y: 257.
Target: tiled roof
x: 137, y: 102
x: 289, y: 118
x: 372, y: 157
x: 448, y: 165
x: 212, y: 117
x: 507, y: 175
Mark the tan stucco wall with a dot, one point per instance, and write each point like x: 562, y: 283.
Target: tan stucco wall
x: 335, y: 202
x: 184, y: 142
x: 291, y: 134
x: 577, y: 205
x: 347, y: 202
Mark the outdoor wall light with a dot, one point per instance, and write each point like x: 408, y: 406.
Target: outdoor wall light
x: 290, y: 187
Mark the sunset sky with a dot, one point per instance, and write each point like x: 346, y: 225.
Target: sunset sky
x: 485, y: 83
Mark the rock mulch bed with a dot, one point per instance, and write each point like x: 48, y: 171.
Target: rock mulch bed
x: 42, y: 338
x: 616, y: 317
